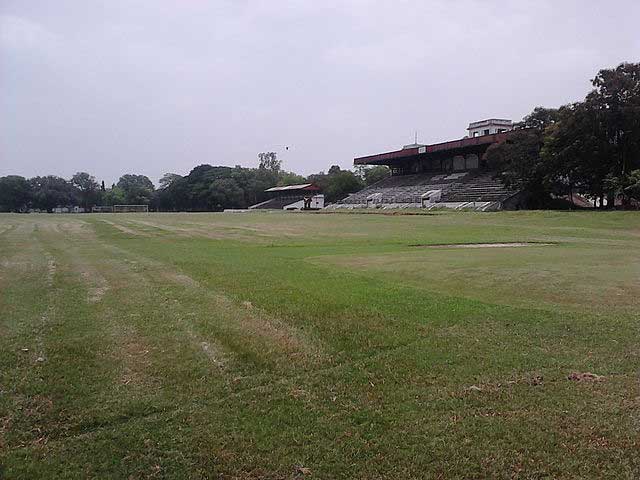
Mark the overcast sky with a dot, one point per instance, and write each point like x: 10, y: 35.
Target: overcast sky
x: 154, y: 86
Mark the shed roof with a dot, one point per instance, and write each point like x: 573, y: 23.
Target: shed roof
x: 302, y: 186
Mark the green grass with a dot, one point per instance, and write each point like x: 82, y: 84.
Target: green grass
x: 251, y: 345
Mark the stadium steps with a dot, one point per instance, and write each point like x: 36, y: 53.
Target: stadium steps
x: 402, y: 189
x: 273, y: 204
x: 483, y: 188
x: 457, y: 188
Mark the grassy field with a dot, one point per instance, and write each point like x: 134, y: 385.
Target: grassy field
x: 319, y: 346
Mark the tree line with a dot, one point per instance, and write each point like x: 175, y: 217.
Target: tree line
x: 590, y: 147
x: 205, y: 188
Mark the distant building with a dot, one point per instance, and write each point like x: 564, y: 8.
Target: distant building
x: 70, y: 209
x: 490, y: 126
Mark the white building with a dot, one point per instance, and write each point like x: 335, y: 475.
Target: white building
x: 490, y: 126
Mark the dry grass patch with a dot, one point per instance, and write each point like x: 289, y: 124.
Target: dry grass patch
x: 127, y: 230
x: 485, y: 245
x: 133, y: 353
x: 211, y: 350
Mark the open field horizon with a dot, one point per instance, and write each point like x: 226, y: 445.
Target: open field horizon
x: 281, y: 345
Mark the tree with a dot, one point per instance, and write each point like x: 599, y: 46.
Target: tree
x: 342, y: 184
x: 375, y: 174
x: 51, y: 191
x: 114, y: 196
x: 631, y: 187
x: 15, y: 193
x: 616, y: 99
x: 577, y: 153
x: 138, y: 189
x: 87, y: 186
x: 626, y: 187
x: 519, y: 165
x: 172, y: 193
x: 225, y: 193
x: 269, y: 161
x: 167, y: 179
x: 338, y: 184
x: 540, y: 118
x: 290, y: 178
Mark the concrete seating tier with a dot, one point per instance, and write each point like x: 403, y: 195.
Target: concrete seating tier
x: 274, y: 203
x: 401, y: 189
x: 456, y: 189
x: 482, y: 188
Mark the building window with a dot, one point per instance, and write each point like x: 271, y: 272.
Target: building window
x: 486, y: 132
x: 475, y: 134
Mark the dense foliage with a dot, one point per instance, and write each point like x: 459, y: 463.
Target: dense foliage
x: 590, y: 147
x: 205, y: 188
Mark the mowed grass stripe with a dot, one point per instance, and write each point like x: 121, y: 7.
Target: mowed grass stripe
x: 239, y: 327
x: 388, y: 394
x: 564, y: 331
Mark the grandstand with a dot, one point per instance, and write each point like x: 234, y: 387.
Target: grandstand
x: 479, y: 191
x: 451, y: 174
x: 306, y: 196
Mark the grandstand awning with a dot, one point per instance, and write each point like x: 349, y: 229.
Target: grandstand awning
x: 453, y: 147
x: 288, y: 188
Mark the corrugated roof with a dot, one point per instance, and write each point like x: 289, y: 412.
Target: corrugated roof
x: 290, y: 187
x: 391, y: 157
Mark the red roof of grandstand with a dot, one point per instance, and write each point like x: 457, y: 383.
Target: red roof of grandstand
x: 390, y: 157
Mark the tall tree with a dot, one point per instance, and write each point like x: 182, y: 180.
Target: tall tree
x: 372, y: 175
x: 51, y: 191
x: 225, y: 193
x: 15, y: 193
x: 576, y: 151
x: 540, y: 118
x: 519, y: 165
x: 616, y: 99
x: 114, y: 196
x: 338, y: 184
x: 138, y: 189
x: 87, y: 186
x: 269, y: 161
x: 167, y: 179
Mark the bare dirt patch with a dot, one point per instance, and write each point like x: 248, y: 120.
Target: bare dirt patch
x: 585, y: 377
x: 485, y: 245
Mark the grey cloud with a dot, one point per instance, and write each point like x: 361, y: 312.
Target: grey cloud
x: 161, y: 86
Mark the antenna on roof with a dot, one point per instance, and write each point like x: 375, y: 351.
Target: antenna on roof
x: 416, y: 138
